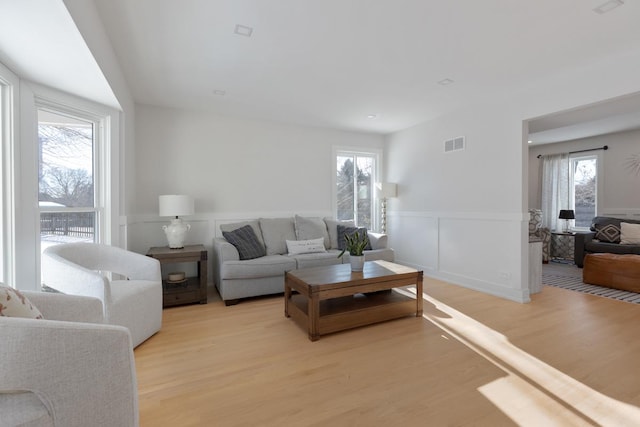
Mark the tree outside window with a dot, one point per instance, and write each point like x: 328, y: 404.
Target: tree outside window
x: 584, y: 189
x: 65, y: 179
x: 354, y: 188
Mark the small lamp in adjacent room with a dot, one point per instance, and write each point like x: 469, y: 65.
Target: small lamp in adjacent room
x: 566, y: 214
x: 176, y: 205
x: 385, y: 190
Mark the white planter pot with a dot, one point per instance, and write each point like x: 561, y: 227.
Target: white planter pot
x: 357, y: 262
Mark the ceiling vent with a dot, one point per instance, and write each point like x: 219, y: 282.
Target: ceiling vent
x: 455, y: 144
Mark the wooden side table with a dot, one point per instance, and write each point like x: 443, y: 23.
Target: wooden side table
x: 194, y: 289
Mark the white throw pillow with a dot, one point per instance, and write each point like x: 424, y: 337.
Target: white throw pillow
x: 14, y: 304
x: 311, y: 228
x: 296, y: 247
x: 629, y: 233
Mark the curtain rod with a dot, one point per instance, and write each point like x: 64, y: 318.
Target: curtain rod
x: 604, y: 147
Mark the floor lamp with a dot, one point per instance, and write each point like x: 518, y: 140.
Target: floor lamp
x: 385, y: 190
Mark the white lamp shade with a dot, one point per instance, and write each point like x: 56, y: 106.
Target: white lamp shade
x: 387, y: 189
x: 175, y: 205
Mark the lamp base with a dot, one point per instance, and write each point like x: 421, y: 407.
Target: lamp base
x: 176, y: 232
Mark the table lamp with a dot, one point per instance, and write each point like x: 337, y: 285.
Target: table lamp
x: 176, y: 205
x: 566, y: 214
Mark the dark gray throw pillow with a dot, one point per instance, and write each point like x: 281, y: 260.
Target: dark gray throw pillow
x: 608, y: 233
x: 344, y: 230
x: 246, y: 242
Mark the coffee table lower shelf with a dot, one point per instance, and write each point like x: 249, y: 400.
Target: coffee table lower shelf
x: 338, y: 314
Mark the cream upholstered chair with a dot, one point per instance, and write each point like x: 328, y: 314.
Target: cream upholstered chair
x: 82, y: 269
x: 536, y: 230
x: 68, y: 369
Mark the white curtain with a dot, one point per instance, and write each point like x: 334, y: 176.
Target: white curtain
x: 555, y: 189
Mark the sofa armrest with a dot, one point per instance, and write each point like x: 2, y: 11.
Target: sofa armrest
x: 69, y: 308
x: 580, y: 240
x: 83, y: 373
x: 69, y: 278
x: 222, y: 251
x: 377, y: 240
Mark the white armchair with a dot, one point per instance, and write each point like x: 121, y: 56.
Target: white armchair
x: 60, y: 372
x: 82, y: 269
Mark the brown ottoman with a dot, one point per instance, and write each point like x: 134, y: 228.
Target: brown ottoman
x: 612, y: 271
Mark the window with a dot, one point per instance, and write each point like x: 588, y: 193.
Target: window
x: 356, y: 175
x: 67, y: 161
x: 583, y: 174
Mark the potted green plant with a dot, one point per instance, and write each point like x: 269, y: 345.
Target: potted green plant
x: 355, y: 243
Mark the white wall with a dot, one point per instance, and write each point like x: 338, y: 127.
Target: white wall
x: 620, y: 185
x: 462, y: 216
x: 458, y: 215
x: 234, y: 168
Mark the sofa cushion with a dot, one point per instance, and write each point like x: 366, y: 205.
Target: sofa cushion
x: 295, y: 247
x: 349, y: 231
x: 609, y: 233
x: 246, y: 242
x: 235, y: 225
x: 275, y: 232
x: 332, y: 229
x: 318, y: 259
x: 613, y: 248
x: 14, y: 304
x: 386, y: 254
x: 629, y: 233
x: 311, y: 228
x: 266, y: 266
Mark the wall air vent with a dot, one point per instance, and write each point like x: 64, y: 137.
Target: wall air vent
x: 455, y: 144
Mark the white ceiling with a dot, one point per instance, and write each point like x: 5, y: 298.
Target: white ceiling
x: 328, y: 63
x: 334, y: 62
x: 40, y: 42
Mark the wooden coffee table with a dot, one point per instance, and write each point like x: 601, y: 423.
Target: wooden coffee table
x: 333, y: 298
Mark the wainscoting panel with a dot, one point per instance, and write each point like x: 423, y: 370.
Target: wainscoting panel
x: 477, y: 250
x: 414, y: 237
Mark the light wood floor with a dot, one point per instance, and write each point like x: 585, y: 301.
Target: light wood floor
x: 472, y: 360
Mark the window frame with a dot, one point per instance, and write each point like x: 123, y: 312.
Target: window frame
x: 376, y: 154
x: 100, y: 173
x: 9, y: 134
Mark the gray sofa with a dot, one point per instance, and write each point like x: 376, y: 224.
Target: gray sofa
x: 263, y: 274
x: 604, y: 237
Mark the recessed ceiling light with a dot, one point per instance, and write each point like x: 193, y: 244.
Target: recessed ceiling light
x: 530, y: 142
x: 372, y: 116
x: 608, y: 6
x: 243, y: 30
x: 445, y: 82
x: 219, y: 92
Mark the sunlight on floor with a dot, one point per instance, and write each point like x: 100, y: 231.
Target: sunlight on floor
x: 532, y: 391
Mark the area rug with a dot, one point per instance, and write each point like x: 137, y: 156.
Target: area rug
x: 570, y: 277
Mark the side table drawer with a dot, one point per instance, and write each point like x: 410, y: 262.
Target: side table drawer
x: 176, y: 298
